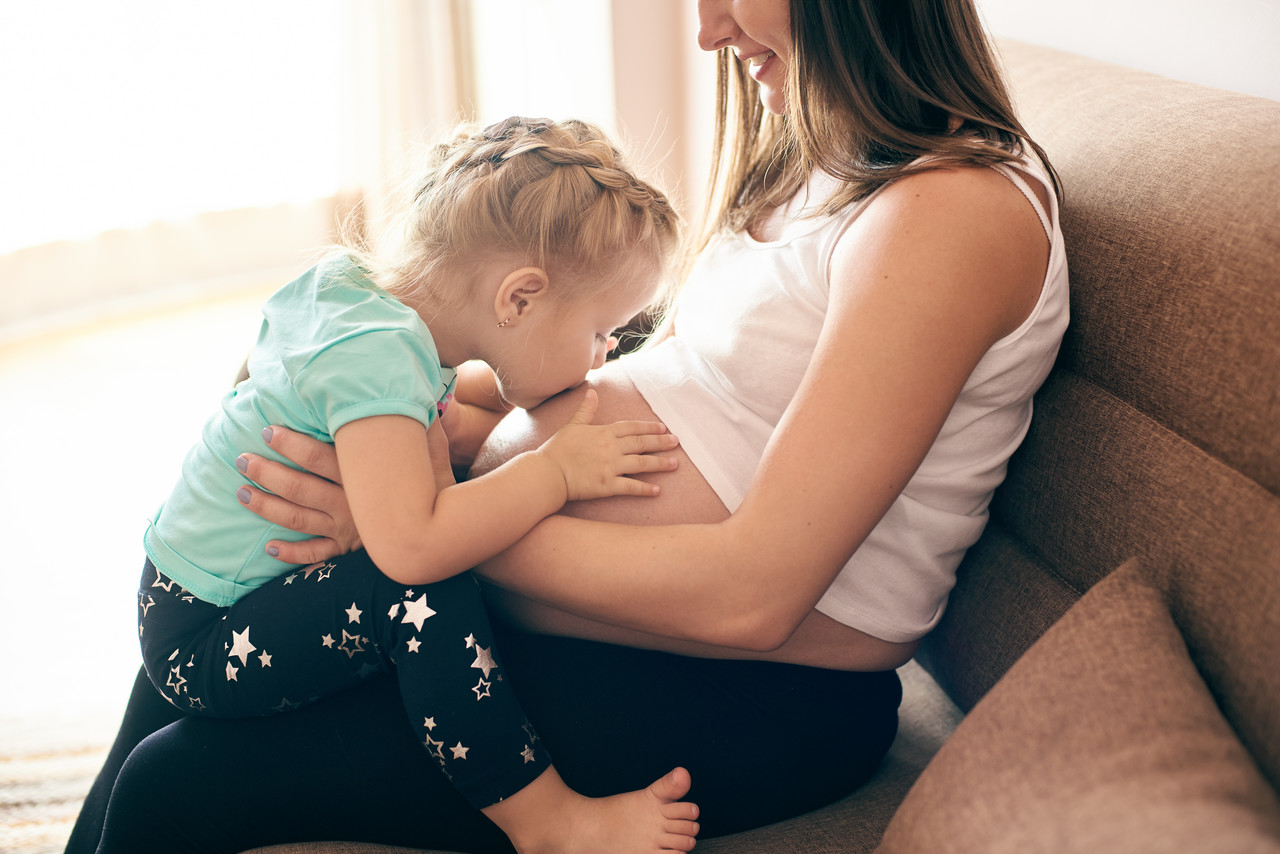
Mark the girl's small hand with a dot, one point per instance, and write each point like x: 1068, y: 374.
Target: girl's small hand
x: 309, y: 502
x: 597, y: 460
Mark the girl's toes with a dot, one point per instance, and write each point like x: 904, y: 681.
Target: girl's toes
x: 680, y: 810
x: 677, y: 842
x: 671, y: 786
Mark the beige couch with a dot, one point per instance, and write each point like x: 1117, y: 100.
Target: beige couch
x: 1148, y: 717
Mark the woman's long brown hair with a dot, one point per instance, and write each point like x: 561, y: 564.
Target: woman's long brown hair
x: 872, y: 86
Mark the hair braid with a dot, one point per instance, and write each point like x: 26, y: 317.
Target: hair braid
x: 558, y: 194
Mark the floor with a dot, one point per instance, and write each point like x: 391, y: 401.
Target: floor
x: 95, y: 421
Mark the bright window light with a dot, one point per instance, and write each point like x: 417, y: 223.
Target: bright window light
x: 124, y: 113
x: 544, y: 58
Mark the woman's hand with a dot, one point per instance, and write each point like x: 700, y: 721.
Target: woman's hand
x: 313, y: 501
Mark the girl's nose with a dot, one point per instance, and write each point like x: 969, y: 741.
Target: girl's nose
x: 716, y: 29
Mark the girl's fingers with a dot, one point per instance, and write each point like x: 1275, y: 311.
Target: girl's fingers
x: 630, y: 486
x: 640, y: 464
x: 587, y: 409
x: 648, y: 443
x: 315, y: 456
x: 638, y: 428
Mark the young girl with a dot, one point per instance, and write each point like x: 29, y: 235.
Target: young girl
x: 524, y: 246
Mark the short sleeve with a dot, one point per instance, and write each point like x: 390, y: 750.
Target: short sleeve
x: 373, y: 372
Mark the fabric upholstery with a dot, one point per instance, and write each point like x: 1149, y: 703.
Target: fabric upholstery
x: 1156, y: 435
x: 1102, y: 738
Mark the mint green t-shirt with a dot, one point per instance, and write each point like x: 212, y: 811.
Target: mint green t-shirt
x: 333, y: 348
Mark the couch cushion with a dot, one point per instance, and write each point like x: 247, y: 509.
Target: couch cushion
x: 1172, y: 238
x: 1102, y: 738
x: 1156, y: 433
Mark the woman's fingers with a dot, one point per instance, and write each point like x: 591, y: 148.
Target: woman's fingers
x: 305, y: 551
x: 285, y: 513
x: 296, y: 487
x: 315, y: 456
x: 301, y: 502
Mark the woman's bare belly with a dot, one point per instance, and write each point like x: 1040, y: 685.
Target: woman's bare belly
x: 685, y: 497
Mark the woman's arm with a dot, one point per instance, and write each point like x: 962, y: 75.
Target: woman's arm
x: 941, y: 266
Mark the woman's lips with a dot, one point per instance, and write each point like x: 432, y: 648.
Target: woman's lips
x: 757, y: 64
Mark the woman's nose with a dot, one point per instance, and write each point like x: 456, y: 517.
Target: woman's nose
x: 716, y: 28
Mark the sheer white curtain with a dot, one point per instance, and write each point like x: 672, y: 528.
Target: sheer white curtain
x: 172, y: 149
x: 162, y: 151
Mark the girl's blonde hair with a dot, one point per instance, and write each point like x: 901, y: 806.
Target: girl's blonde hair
x: 873, y: 85
x: 558, y: 195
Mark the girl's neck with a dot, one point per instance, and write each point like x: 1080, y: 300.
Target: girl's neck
x: 450, y: 330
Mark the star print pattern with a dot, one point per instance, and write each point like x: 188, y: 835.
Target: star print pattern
x: 314, y: 638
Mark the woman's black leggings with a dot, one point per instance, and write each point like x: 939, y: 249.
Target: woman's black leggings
x: 763, y: 742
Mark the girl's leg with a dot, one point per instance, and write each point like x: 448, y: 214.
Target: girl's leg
x: 326, y: 628
x: 763, y: 741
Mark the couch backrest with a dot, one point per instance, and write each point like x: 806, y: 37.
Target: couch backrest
x: 1158, y: 433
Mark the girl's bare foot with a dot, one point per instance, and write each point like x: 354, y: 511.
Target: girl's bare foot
x: 547, y: 817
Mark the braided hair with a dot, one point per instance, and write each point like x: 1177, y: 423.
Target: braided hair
x: 558, y: 195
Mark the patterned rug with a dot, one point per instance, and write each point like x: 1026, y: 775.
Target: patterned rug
x: 46, y: 767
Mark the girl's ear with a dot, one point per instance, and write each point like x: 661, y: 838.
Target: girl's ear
x: 519, y: 292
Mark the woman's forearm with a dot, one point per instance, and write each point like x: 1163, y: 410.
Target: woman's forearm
x: 675, y: 581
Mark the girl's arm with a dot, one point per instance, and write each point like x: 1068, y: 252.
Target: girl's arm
x: 417, y: 533
x: 941, y: 266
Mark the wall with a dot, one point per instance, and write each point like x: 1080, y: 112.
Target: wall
x: 1230, y: 44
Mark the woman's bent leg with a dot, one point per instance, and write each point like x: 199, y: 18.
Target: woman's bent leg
x: 145, y: 713
x: 764, y: 741
x: 345, y: 768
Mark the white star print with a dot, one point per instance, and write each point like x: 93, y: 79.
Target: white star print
x: 196, y: 704
x: 327, y: 640
x: 145, y: 601
x: 285, y: 705
x: 417, y: 611
x: 354, y: 648
x: 527, y: 753
x: 470, y: 641
x: 482, y: 689
x: 459, y: 752
x: 264, y: 659
x: 395, y: 609
x: 231, y: 672
x: 289, y: 579
x: 241, y: 647
x: 408, y: 594
x: 413, y: 644
x: 176, y: 680
x: 159, y: 582
x: 429, y: 723
x: 433, y: 747
x: 484, y: 660
x: 353, y: 613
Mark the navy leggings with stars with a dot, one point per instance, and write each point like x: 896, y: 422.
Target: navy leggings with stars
x: 324, y: 628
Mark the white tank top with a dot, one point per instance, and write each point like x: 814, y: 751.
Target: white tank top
x: 746, y: 325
